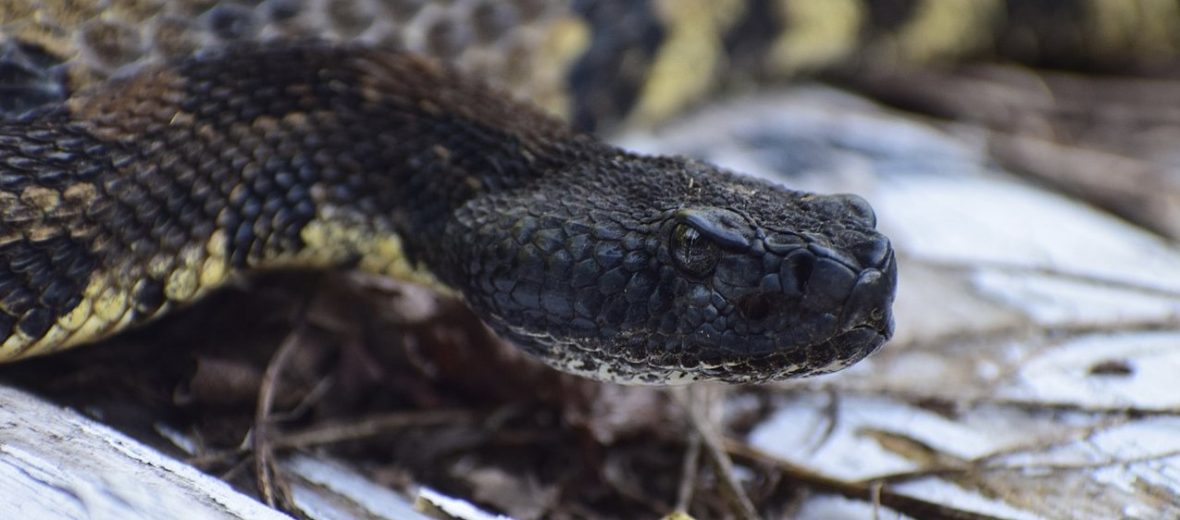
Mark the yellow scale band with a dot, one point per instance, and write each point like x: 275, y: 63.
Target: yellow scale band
x: 818, y: 33
x: 946, y: 29
x: 331, y: 242
x: 1142, y: 27
x: 686, y: 65
x: 106, y: 305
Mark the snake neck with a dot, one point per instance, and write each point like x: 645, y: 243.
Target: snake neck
x: 145, y: 193
x: 315, y: 156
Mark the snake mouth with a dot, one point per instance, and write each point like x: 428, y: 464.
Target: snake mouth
x: 851, y: 347
x: 835, y: 354
x: 864, y: 325
x: 865, y: 321
x: 808, y: 340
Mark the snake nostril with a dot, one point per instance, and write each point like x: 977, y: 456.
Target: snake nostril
x: 796, y: 271
x: 802, y: 267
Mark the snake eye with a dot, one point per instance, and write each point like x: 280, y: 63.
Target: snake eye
x: 692, y: 252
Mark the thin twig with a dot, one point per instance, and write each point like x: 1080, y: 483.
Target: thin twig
x: 688, y: 473
x: 1021, y: 469
x: 919, y: 398
x: 699, y: 406
x: 875, y: 492
x: 371, y: 426
x: 1042, y: 270
x: 263, y: 447
x: 312, y: 398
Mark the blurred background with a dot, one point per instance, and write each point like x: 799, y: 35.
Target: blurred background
x: 1020, y: 154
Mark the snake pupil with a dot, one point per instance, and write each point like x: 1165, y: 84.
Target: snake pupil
x: 693, y: 252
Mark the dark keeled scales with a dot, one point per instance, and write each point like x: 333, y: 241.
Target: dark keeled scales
x: 144, y: 194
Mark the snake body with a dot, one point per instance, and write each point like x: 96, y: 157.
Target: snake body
x: 594, y: 63
x: 154, y: 150
x: 146, y: 193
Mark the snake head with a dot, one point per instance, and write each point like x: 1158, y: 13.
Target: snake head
x: 759, y: 296
x: 673, y: 271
